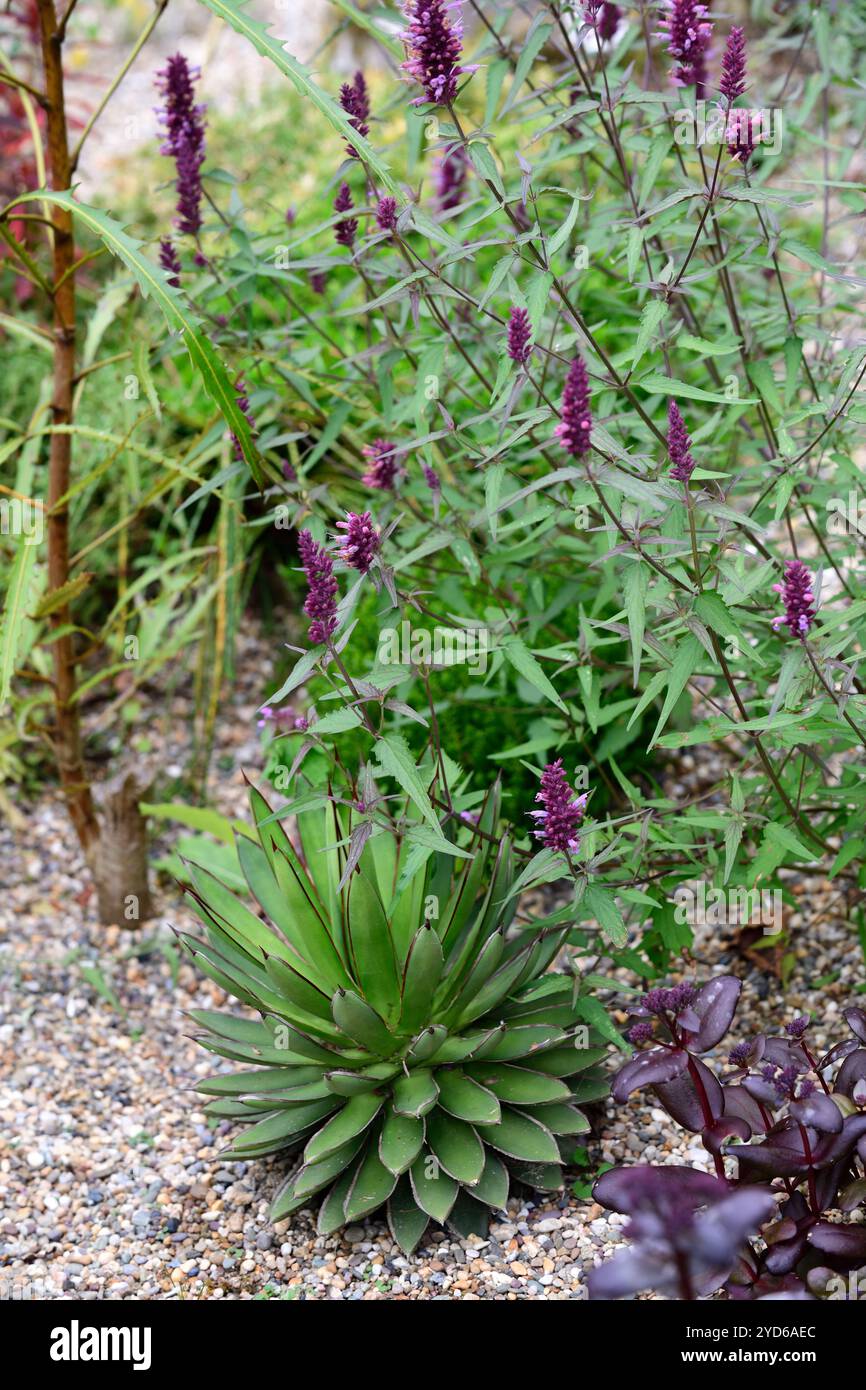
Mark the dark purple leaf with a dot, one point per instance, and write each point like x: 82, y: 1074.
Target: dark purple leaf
x: 616, y: 1188
x: 761, y: 1090
x: 659, y: 1064
x: 720, y: 1232
x: 836, y: 1146
x: 785, y: 1255
x: 849, y: 1241
x: 770, y: 1158
x: 738, y: 1102
x: 856, y: 1020
x: 726, y: 1127
x: 715, y: 1005
x: 818, y: 1111
x: 837, y: 1053
x: 852, y: 1070
x: 681, y: 1100
x: 853, y: 1196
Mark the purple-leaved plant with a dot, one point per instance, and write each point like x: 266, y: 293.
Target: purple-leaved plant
x: 795, y: 1142
x: 321, y: 601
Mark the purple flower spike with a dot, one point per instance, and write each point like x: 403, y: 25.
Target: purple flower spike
x: 386, y: 214
x: 575, y: 426
x: 519, y: 336
x: 318, y: 281
x: 243, y: 405
x: 355, y: 101
x: 603, y: 17
x: 799, y: 600
x: 433, y: 42
x: 431, y: 478
x: 688, y: 30
x: 183, y: 131
x: 733, y: 82
x: 362, y: 540
x: 557, y: 824
x: 321, y: 602
x: 382, y: 465
x: 170, y: 262
x: 344, y: 232
x: 450, y: 177
x: 679, y: 445
x: 740, y: 134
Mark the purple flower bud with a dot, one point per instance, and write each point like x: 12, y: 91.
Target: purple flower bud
x: 668, y: 1001
x: 575, y: 426
x: 688, y: 30
x: 386, y: 214
x: 557, y: 824
x: 318, y: 281
x: 321, y: 601
x: 344, y: 232
x: 183, y: 130
x: 433, y: 42
x: 382, y: 465
x: 679, y: 445
x: 741, y: 1055
x: 362, y: 540
x: 733, y: 82
x: 431, y: 478
x: 170, y: 262
x: 797, y: 1027
x: 608, y: 21
x: 243, y: 405
x: 355, y: 101
x: 640, y: 1033
x: 450, y: 177
x: 289, y: 471
x: 519, y: 336
x: 291, y: 214
x: 798, y: 598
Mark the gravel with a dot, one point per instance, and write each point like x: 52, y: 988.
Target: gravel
x: 111, y: 1183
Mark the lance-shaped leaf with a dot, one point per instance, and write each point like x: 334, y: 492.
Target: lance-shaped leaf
x: 648, y: 1069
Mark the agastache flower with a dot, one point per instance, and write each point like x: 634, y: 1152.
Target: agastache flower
x: 431, y: 478
x: 243, y: 405
x: 361, y: 542
x: 608, y: 20
x: 575, y: 426
x: 433, y: 42
x: 355, y: 101
x: 688, y: 30
x: 170, y: 261
x: 799, y: 600
x: 386, y: 214
x: 183, y: 129
x: 679, y: 445
x: 740, y: 134
x: 450, y: 177
x: 733, y: 82
x: 519, y: 336
x: 344, y: 232
x: 382, y: 465
x: 318, y: 281
x: 321, y: 601
x: 557, y: 823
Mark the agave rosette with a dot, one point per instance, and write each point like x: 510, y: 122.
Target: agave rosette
x: 413, y: 1045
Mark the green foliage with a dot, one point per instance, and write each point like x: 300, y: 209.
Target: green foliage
x: 411, y: 1047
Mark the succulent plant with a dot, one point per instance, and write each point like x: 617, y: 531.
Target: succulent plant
x: 413, y: 1048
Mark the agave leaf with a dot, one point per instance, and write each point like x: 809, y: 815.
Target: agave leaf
x: 298, y: 990
x: 428, y: 1043
x: 456, y: 1145
x: 354, y: 1017
x: 244, y: 1030
x: 373, y: 1184
x: 492, y: 1186
x: 561, y: 1119
x: 420, y: 978
x: 545, y: 1177
x: 460, y: 1049
x: 332, y: 1210
x: 401, y: 1141
x: 415, y: 1094
x: 278, y: 1130
x: 459, y: 995
x: 468, y: 1216
x: 523, y: 1043
x: 355, y: 1083
x: 563, y: 1061
x: 463, y: 1098
x: 353, y: 1118
x: 434, y: 1191
x: 519, y: 1136
x: 493, y: 992
x: 320, y: 832
x: 371, y: 948
x: 285, y: 1201
x: 241, y: 1083
x: 406, y: 1220
x: 312, y: 1177
x: 518, y: 1085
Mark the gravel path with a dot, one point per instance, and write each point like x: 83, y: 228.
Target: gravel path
x: 110, y: 1181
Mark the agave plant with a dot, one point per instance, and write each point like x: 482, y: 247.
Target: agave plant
x: 413, y: 1047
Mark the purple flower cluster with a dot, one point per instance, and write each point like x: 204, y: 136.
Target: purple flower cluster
x: 345, y: 231
x: 797, y: 1027
x: 355, y: 101
x: 688, y: 30
x: 170, y: 261
x: 575, y: 426
x: 433, y: 42
x: 668, y: 1001
x: 183, y: 130
x: 679, y: 445
x: 321, y: 602
x: 431, y: 478
x: 733, y: 81
x: 519, y: 343
x: 799, y: 600
x: 386, y: 214
x: 243, y: 405
x: 361, y: 540
x: 640, y: 1033
x: 450, y: 177
x: 557, y: 823
x: 381, y: 465
x: 284, y: 719
x: 740, y: 132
